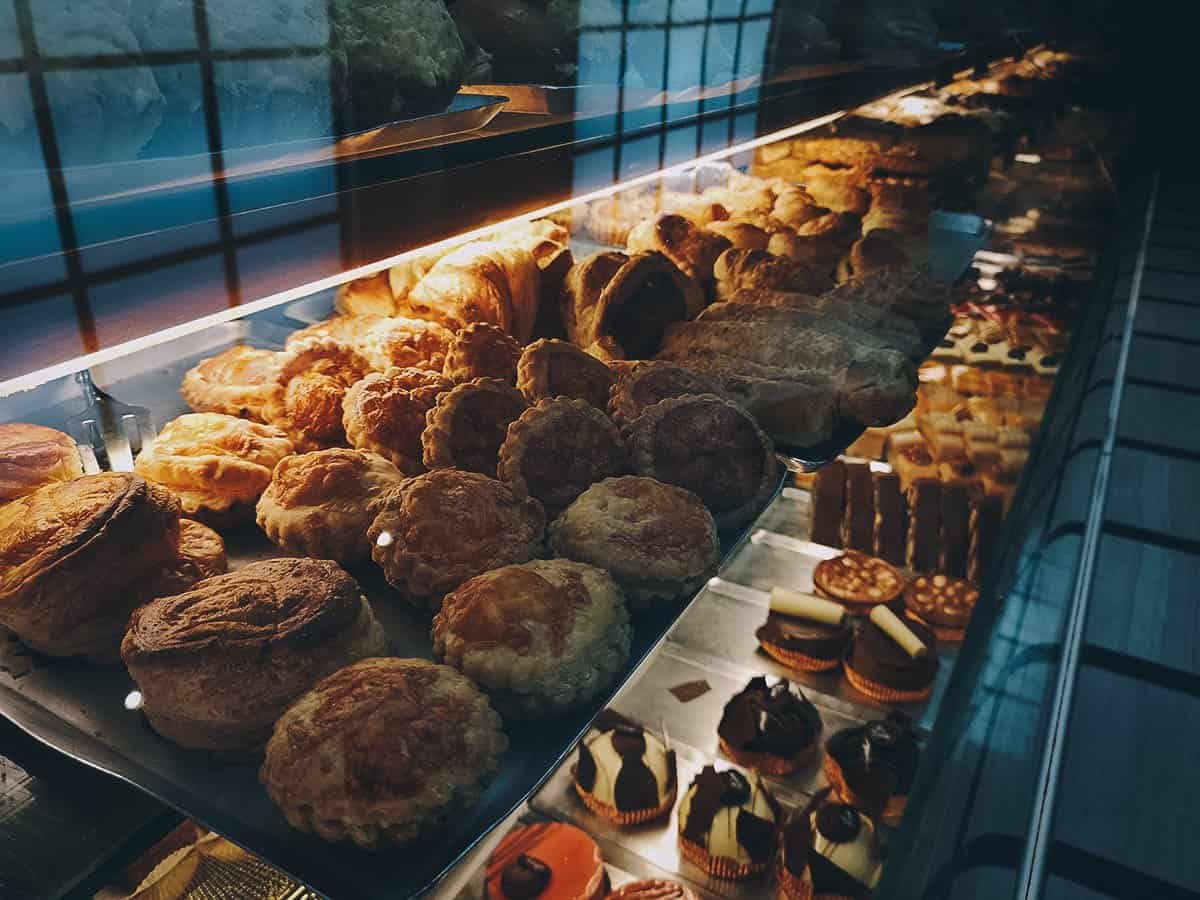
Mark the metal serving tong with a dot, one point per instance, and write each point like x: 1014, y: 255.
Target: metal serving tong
x: 109, y: 433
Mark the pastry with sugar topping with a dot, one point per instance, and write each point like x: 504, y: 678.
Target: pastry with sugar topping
x: 857, y: 581
x: 943, y: 603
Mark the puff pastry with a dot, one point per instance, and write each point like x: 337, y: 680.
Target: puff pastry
x: 385, y: 413
x: 819, y: 242
x: 482, y: 351
x: 320, y: 504
x: 235, y: 382
x: 384, y: 341
x: 217, y: 664
x: 541, y: 638
x: 552, y: 368
x: 761, y: 271
x: 468, y: 424
x: 436, y: 530
x: 306, y: 401
x: 366, y: 296
x: 32, y: 456
x: 200, y: 554
x: 382, y: 752
x: 741, y: 235
x: 645, y: 383
x: 689, y: 247
x: 878, y: 249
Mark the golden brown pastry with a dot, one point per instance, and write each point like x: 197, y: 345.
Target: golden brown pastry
x: 468, y: 423
x: 384, y: 341
x: 645, y: 383
x: 877, y: 249
x: 436, y: 530
x: 306, y: 401
x: 73, y: 556
x: 796, y: 206
x: 550, y: 368
x: 758, y: 270
x: 200, y: 554
x: 407, y: 274
x: 321, y: 504
x: 657, y: 540
x: 541, y: 638
x: 235, y: 382
x: 699, y: 208
x: 688, y: 246
x: 32, y: 456
x: 819, y: 242
x: 383, y: 751
x: 609, y: 220
x: 741, y: 235
x: 366, y: 296
x: 216, y: 465
x: 838, y: 194
x: 219, y: 663
x: 482, y: 351
x: 385, y: 413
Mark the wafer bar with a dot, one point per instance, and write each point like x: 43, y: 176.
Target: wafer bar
x: 924, y: 525
x: 891, y: 518
x: 829, y: 497
x: 858, y: 525
x: 956, y: 517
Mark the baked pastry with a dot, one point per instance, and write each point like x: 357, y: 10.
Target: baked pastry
x: 32, y: 456
x: 819, y: 242
x: 235, y: 382
x: 436, y: 530
x: 482, y: 350
x: 769, y: 728
x: 692, y: 249
x: 200, y: 554
x: 710, y: 446
x: 468, y: 423
x: 321, y: 504
x: 758, y: 271
x: 892, y: 660
x: 796, y: 206
x: 839, y: 846
x: 610, y: 219
x: 541, y: 638
x: 877, y: 249
x: 943, y: 603
x: 741, y: 235
x: 653, y: 889
x: 549, y: 861
x: 552, y: 368
x: 306, y: 401
x: 804, y: 632
x: 74, y: 556
x: 837, y: 193
x: 384, y: 341
x: 382, y: 751
x: 873, y: 766
x: 645, y: 383
x: 556, y: 449
x: 625, y: 775
x: 385, y: 413
x: 857, y: 581
x: 727, y: 825
x: 371, y: 295
x: 657, y: 540
x: 217, y: 664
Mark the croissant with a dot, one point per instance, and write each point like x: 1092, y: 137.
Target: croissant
x: 690, y: 247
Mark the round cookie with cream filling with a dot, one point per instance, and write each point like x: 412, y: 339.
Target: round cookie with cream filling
x: 727, y: 825
x: 858, y: 581
x: 546, y: 861
x: 625, y: 775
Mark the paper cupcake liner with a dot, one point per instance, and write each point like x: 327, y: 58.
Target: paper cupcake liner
x: 882, y: 693
x: 768, y: 763
x: 622, y: 817
x: 943, y: 633
x: 719, y: 866
x: 793, y: 888
x: 893, y: 810
x: 801, y: 662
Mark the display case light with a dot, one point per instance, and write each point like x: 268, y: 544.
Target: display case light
x: 1031, y: 159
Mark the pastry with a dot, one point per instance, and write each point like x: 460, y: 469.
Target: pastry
x: 820, y: 242
x: 556, y: 449
x: 436, y: 530
x: 842, y: 849
x: 858, y: 521
x: 218, y: 663
x: 383, y: 341
x: 769, y: 728
x: 805, y: 632
x: 892, y: 660
x: 873, y: 766
x: 382, y: 752
x: 551, y: 368
x: 891, y: 518
x: 235, y: 382
x: 468, y: 423
x: 757, y: 271
x: 547, y: 861
x: 625, y: 775
x: 796, y: 206
x: 610, y: 219
x: 727, y: 825
x: 306, y: 401
x: 692, y: 249
x: 74, y: 557
x: 200, y: 554
x: 653, y: 889
x: 217, y: 465
x: 837, y: 194
x: 942, y: 603
x: 32, y: 456
x: 858, y: 581
x: 741, y: 235
x: 877, y: 249
x: 321, y: 504
x: 370, y: 295
x: 702, y: 209
x: 385, y: 414
x: 657, y: 540
x: 829, y: 503
x: 482, y: 350
x: 911, y: 459
x: 710, y: 446
x: 644, y: 383
x: 791, y: 871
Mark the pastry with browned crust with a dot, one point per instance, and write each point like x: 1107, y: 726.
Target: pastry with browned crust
x: 645, y: 383
x: 235, y: 382
x: 217, y: 664
x: 436, y: 530
x: 819, y: 242
x: 74, y: 555
x: 321, y: 504
x: 306, y: 401
x: 657, y: 540
x: 200, y: 554
x: 371, y: 295
x: 384, y: 341
x: 385, y: 413
x: 688, y: 246
x: 760, y: 271
x: 796, y: 206
x: 383, y: 751
x: 541, y: 638
x: 551, y: 368
x: 877, y: 249
x: 482, y: 351
x: 741, y: 235
x: 468, y: 423
x: 858, y: 581
x: 32, y: 456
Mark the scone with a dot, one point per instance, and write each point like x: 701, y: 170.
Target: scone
x: 321, y: 504
x: 553, y: 368
x: 657, y: 540
x: 385, y: 413
x: 383, y: 751
x: 73, y: 556
x: 645, y: 383
x: 217, y: 465
x: 436, y: 530
x: 482, y: 350
x: 541, y: 638
x: 556, y: 449
x: 235, y: 382
x: 32, y: 456
x: 217, y: 664
x: 306, y: 400
x: 467, y: 425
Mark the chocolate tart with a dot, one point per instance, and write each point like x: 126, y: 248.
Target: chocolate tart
x: 769, y: 728
x: 857, y: 581
x: 877, y: 666
x: 873, y: 766
x: 802, y: 644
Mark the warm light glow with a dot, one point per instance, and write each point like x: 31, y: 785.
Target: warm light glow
x: 384, y: 539
x: 133, y: 700
x: 1031, y: 158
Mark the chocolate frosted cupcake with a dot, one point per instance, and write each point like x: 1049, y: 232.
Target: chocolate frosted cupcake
x: 873, y: 766
x: 727, y: 826
x: 844, y: 857
x: 626, y: 776
x: 769, y: 728
x: 892, y: 660
x: 805, y: 632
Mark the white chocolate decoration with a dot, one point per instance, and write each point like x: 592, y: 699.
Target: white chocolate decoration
x: 894, y: 628
x: 806, y: 606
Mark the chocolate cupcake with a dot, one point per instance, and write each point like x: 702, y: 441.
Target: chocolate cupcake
x: 625, y: 775
x: 769, y: 728
x: 892, y: 660
x: 873, y: 766
x: 844, y: 856
x: 727, y: 826
x: 804, y: 632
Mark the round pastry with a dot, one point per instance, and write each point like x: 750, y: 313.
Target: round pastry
x: 741, y: 235
x: 553, y: 368
x: 383, y: 341
x: 200, y: 554
x: 217, y: 465
x: 653, y: 889
x: 306, y: 401
x: 235, y: 382
x: 542, y: 638
x: 556, y: 449
x: 626, y: 776
x: 436, y: 530
x: 838, y: 194
x: 943, y: 603
x: 481, y: 350
x: 796, y: 206
x: 877, y: 249
x: 218, y: 663
x: 857, y: 581
x: 878, y: 666
x: 873, y: 766
x: 645, y: 383
x: 547, y: 861
x: 804, y: 644
x: 468, y: 423
x: 321, y: 504
x: 32, y: 456
x: 768, y: 728
x: 727, y: 825
x: 710, y: 446
x: 74, y: 557
x: 657, y: 540
x: 381, y: 751
x: 841, y: 846
x: 385, y: 413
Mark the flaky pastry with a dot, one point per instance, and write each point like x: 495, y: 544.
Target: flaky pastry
x: 688, y: 246
x: 32, y: 456
x: 200, y: 554
x: 741, y: 235
x: 383, y: 341
x: 482, y: 350
x: 385, y: 413
x: 306, y: 401
x: 552, y: 368
x: 235, y: 382
x: 468, y: 423
x: 645, y: 383
x: 759, y: 270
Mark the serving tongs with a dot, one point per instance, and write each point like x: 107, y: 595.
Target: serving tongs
x: 108, y: 433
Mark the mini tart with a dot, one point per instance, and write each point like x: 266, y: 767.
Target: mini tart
x: 857, y: 581
x: 653, y: 889
x: 943, y: 603
x: 467, y: 425
x: 880, y: 668
x: 645, y: 383
x: 481, y: 350
x: 804, y: 645
x: 382, y: 751
x: 235, y: 382
x: 547, y: 861
x: 556, y: 449
x: 727, y: 827
x: 844, y: 856
x: 306, y: 401
x: 769, y: 728
x: 542, y: 638
x: 626, y: 776
x: 385, y: 413
x: 553, y: 368
x: 873, y: 766
x: 321, y: 504
x: 32, y: 456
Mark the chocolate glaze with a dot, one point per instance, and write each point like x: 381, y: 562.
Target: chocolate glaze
x: 814, y: 639
x: 828, y: 878
x: 524, y: 878
x: 635, y: 787
x: 797, y: 845
x: 716, y: 790
x: 879, y: 759
x: 876, y: 657
x: 762, y: 719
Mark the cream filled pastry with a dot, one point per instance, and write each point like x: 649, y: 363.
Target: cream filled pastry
x: 727, y: 825
x: 626, y: 775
